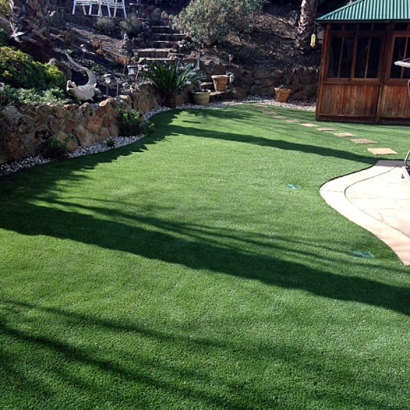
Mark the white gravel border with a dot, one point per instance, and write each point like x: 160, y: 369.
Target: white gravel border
x: 29, y: 162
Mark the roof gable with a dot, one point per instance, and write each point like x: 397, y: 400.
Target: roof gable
x: 370, y: 10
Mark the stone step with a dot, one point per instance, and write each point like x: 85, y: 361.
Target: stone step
x: 161, y: 29
x: 160, y: 44
x: 153, y: 52
x: 167, y: 36
x: 148, y: 60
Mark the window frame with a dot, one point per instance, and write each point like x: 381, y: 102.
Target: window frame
x: 404, y: 72
x: 355, y: 32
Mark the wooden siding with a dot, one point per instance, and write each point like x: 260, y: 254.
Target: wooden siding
x: 348, y: 101
x: 394, y: 103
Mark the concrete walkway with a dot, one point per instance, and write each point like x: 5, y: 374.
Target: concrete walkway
x: 377, y: 199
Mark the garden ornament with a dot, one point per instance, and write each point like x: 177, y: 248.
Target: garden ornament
x: 83, y: 92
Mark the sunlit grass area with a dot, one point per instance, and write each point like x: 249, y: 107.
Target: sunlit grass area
x: 200, y: 269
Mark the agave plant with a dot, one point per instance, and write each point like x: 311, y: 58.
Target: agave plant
x: 171, y: 79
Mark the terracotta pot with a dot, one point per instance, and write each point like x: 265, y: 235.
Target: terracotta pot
x: 220, y: 82
x: 201, y: 97
x: 282, y: 94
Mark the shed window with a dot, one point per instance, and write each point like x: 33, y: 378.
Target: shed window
x: 401, y: 51
x: 355, y: 55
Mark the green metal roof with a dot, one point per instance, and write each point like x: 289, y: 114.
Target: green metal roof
x: 370, y: 10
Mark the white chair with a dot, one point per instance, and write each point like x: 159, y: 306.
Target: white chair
x: 90, y: 4
x: 82, y: 3
x: 117, y: 4
x: 100, y: 3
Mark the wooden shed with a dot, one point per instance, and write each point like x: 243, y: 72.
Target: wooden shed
x: 359, y: 81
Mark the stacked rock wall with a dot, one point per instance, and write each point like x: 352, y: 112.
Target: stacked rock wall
x: 23, y: 130
x: 303, y: 81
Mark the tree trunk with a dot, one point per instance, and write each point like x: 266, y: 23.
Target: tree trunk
x: 30, y: 24
x: 306, y: 26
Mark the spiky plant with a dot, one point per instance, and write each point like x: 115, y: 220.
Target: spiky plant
x: 306, y: 25
x: 30, y: 21
x: 170, y: 80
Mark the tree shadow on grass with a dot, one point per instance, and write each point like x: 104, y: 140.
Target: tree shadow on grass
x: 268, y: 142
x: 198, y: 247
x: 121, y: 373
x: 201, y: 248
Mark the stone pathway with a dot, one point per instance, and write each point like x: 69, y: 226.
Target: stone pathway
x: 360, y: 141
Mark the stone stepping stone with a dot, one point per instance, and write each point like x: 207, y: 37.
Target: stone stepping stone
x: 382, y: 151
x: 308, y: 125
x: 293, y: 121
x: 343, y: 134
x: 363, y: 141
x: 326, y: 129
x: 279, y: 117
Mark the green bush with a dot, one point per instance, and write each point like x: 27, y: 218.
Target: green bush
x: 4, y: 38
x: 106, y: 25
x: 131, y: 26
x: 54, y: 149
x: 210, y: 21
x: 132, y: 123
x: 170, y: 80
x: 32, y: 96
x: 129, y: 123
x: 19, y: 70
x: 5, y: 9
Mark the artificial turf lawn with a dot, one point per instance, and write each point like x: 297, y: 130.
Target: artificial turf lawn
x: 184, y: 272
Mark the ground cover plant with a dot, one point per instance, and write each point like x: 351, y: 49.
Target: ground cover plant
x: 186, y: 272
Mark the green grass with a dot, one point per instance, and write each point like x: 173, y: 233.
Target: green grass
x: 181, y: 272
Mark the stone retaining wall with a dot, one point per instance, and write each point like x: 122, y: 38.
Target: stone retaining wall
x: 303, y: 81
x: 23, y: 130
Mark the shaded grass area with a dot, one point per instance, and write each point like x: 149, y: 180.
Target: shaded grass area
x: 183, y: 272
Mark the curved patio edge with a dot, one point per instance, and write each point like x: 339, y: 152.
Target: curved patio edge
x: 357, y: 198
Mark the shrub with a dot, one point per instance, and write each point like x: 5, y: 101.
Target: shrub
x: 4, y: 38
x: 146, y: 126
x: 21, y: 96
x: 19, y: 70
x: 210, y: 21
x: 171, y: 79
x: 129, y: 122
x: 5, y: 9
x: 131, y: 26
x: 106, y: 25
x: 54, y: 149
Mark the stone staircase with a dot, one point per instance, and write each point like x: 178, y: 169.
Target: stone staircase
x: 162, y: 45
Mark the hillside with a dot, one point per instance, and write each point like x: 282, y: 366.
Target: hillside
x: 270, y: 44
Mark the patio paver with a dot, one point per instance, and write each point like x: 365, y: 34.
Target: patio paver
x: 363, y: 141
x: 377, y: 199
x: 382, y: 151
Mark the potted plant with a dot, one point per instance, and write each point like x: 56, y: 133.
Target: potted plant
x: 171, y: 79
x: 201, y: 95
x: 282, y: 93
x: 220, y: 82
